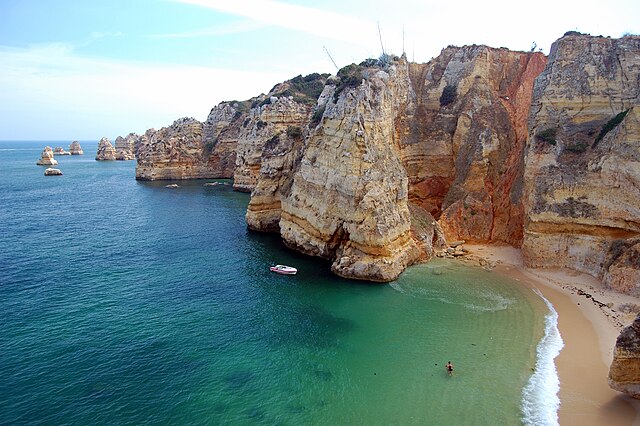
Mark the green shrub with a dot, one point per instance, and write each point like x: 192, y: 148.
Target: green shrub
x: 317, y: 116
x: 449, y: 95
x: 350, y: 76
x: 261, y: 124
x: 548, y: 135
x: 305, y: 90
x: 294, y: 132
x: 577, y: 147
x: 209, y: 146
x: 610, y: 125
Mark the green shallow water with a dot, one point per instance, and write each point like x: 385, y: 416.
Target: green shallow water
x: 125, y: 302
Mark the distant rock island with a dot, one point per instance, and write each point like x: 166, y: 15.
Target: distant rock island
x: 106, y: 151
x: 52, y: 172
x: 376, y: 167
x: 46, y: 157
x: 60, y: 151
x: 75, y: 148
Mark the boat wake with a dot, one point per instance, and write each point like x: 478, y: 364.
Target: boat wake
x: 540, y: 401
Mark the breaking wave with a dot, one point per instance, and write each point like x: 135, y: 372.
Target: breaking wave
x: 540, y: 401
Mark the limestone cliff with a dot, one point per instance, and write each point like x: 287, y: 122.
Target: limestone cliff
x: 266, y: 127
x: 349, y: 197
x: 232, y: 139
x: 624, y: 373
x: 189, y: 149
x: 582, y: 175
x: 462, y: 133
x: 106, y: 151
x: 126, y: 147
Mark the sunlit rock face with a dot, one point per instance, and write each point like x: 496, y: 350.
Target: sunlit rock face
x: 462, y: 133
x: 106, y: 151
x: 624, y: 373
x: 582, y: 173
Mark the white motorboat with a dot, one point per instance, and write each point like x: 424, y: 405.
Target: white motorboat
x: 283, y: 269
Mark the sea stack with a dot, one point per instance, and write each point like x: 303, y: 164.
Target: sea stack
x: 624, y: 373
x: 46, y: 158
x: 75, y: 148
x: 125, y: 147
x: 106, y: 151
x: 60, y: 151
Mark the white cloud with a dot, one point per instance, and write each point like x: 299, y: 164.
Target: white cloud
x: 47, y: 91
x: 300, y: 18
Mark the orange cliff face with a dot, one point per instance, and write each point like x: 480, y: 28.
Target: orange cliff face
x: 462, y: 135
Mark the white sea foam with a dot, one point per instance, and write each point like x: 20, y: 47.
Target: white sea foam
x: 540, y: 400
x: 483, y: 300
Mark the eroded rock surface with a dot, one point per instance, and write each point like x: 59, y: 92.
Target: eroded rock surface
x: 126, y: 147
x: 462, y: 133
x: 624, y: 373
x: 75, y: 148
x: 582, y: 173
x: 106, y: 151
x: 46, y: 157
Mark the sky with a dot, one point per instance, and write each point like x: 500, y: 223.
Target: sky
x: 81, y: 70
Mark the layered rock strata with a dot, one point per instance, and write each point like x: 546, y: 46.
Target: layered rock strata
x: 46, y: 157
x: 106, y: 151
x: 582, y: 175
x: 189, y: 149
x: 269, y: 130
x: 126, y: 147
x: 349, y: 198
x: 75, y: 148
x: 624, y: 373
x: 462, y: 133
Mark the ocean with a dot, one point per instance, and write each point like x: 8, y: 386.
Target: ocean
x: 126, y: 302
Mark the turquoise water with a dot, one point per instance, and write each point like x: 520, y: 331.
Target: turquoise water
x: 126, y: 302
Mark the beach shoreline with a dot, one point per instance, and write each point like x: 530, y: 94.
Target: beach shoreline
x: 589, y: 320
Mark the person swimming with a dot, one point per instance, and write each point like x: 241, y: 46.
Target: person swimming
x: 449, y: 368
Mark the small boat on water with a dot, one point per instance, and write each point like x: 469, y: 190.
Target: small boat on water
x: 283, y: 269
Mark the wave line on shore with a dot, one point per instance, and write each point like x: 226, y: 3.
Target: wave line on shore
x: 540, y: 401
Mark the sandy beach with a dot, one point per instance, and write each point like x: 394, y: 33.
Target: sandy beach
x: 589, y: 318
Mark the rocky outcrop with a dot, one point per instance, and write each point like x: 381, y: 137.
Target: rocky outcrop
x: 189, y: 149
x: 126, y: 147
x: 279, y: 159
x: 46, y: 157
x: 106, y: 151
x: 279, y: 121
x: 393, y: 158
x: 624, y: 373
x: 462, y: 134
x: 582, y: 175
x: 60, y: 151
x: 349, y: 198
x: 52, y: 172
x: 75, y: 148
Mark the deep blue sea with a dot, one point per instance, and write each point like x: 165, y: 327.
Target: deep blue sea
x: 126, y: 302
